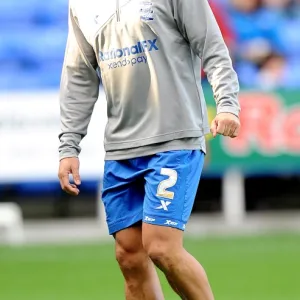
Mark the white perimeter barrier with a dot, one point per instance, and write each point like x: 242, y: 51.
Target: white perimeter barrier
x: 233, y: 197
x: 11, y: 224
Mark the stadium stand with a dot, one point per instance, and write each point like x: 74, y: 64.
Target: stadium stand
x: 267, y: 49
x: 263, y: 36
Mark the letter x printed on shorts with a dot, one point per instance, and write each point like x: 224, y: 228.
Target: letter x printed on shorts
x: 158, y: 189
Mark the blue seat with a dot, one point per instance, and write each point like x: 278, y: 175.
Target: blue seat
x: 13, y: 11
x: 292, y: 76
x: 6, y: 45
x: 288, y: 38
x: 5, y: 53
x: 51, y: 12
x: 50, y: 74
x: 247, y: 74
x: 50, y: 45
x: 33, y: 45
x: 34, y: 11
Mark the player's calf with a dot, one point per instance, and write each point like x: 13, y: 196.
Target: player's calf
x: 164, y: 246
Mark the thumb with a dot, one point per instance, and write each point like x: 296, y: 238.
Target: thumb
x: 75, y: 173
x: 213, y: 127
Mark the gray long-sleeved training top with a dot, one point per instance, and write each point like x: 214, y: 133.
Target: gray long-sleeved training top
x: 149, y: 54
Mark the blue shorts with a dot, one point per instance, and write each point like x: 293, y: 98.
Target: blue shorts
x: 158, y: 189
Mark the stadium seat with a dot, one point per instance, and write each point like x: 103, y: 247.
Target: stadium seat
x: 289, y: 38
x: 33, y: 11
x: 51, y: 12
x: 36, y: 45
x: 14, y: 11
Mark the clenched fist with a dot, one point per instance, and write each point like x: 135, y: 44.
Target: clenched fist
x: 226, y: 124
x: 67, y: 166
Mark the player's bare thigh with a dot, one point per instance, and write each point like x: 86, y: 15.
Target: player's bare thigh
x: 129, y: 240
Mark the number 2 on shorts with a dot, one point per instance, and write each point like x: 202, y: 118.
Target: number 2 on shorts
x: 167, y: 183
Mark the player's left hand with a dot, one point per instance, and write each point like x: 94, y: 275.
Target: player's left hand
x: 226, y: 124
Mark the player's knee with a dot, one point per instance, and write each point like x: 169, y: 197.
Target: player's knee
x: 162, y: 254
x: 130, y: 260
x: 125, y: 257
x: 129, y: 253
x: 163, y: 245
x: 129, y: 248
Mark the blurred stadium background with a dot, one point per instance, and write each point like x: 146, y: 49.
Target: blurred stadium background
x: 246, y: 219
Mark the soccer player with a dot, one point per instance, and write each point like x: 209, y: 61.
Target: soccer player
x: 149, y: 55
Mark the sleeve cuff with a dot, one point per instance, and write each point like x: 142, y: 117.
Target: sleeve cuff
x: 229, y: 109
x: 68, y: 153
x: 69, y: 146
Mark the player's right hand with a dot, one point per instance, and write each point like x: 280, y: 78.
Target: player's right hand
x: 67, y: 166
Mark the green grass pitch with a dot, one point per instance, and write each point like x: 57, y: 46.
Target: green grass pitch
x: 248, y: 268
